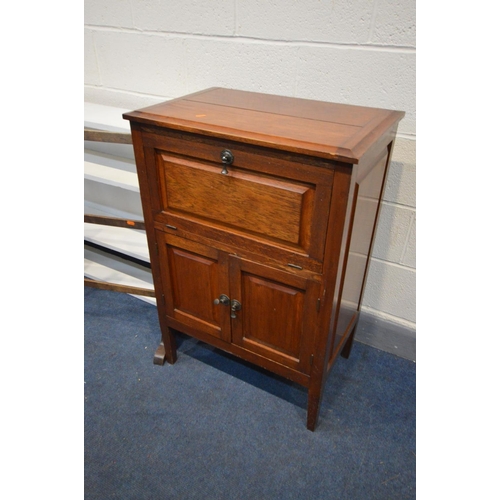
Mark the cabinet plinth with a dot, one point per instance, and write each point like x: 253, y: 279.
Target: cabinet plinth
x: 260, y: 215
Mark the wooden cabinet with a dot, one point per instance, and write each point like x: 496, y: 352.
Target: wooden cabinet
x: 260, y: 213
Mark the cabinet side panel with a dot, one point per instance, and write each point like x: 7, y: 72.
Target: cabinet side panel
x: 367, y: 197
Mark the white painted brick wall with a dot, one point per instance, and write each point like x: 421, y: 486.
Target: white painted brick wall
x: 176, y: 16
x: 139, y: 52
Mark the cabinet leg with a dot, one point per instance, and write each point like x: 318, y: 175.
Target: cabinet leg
x: 166, y: 351
x: 346, y: 350
x: 313, y: 403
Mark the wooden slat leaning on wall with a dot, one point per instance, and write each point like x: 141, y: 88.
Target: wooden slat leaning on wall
x: 116, y: 138
x: 106, y: 136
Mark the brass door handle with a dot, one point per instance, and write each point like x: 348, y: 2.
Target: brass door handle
x: 223, y: 299
x: 235, y: 306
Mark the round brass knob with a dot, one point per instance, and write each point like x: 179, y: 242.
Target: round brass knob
x: 227, y: 157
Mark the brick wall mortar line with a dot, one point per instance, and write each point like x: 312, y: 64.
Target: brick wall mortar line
x: 230, y: 38
x: 393, y: 264
x: 408, y: 232
x: 235, y: 18
x: 404, y: 135
x: 131, y: 10
x: 129, y: 92
x: 399, y: 205
x: 96, y: 56
x: 372, y: 20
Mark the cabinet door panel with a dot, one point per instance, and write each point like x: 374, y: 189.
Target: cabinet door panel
x: 265, y: 197
x: 194, y: 276
x: 277, y: 316
x: 252, y: 203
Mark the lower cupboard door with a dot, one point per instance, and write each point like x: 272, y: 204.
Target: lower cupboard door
x: 193, y: 277
x: 277, y: 315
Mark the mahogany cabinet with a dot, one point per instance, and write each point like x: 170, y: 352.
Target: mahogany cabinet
x: 260, y: 215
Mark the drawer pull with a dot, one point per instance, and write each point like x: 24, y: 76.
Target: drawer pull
x: 295, y: 266
x: 170, y: 226
x: 227, y: 158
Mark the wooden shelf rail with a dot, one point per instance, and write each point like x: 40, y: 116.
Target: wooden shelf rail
x: 117, y: 138
x: 114, y: 287
x: 114, y: 221
x: 106, y: 136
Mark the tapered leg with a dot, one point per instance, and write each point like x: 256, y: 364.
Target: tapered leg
x: 318, y: 380
x: 313, y: 403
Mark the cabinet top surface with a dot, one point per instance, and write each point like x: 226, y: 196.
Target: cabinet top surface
x: 338, y: 131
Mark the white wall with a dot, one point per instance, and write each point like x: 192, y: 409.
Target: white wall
x: 139, y: 52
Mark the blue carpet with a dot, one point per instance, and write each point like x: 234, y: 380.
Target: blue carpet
x: 214, y: 427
